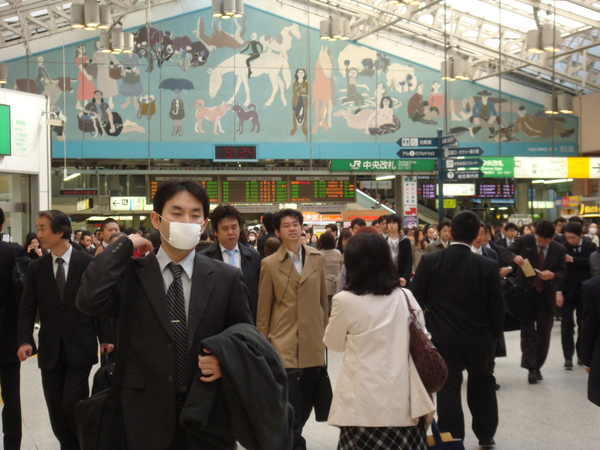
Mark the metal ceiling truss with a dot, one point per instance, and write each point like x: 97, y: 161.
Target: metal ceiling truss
x: 432, y: 26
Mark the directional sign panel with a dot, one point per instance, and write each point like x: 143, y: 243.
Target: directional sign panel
x: 464, y: 175
x: 456, y: 163
x: 127, y: 203
x: 425, y: 154
x: 418, y: 142
x: 449, y: 140
x: 463, y: 151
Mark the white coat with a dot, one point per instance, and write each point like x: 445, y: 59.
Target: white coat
x: 378, y: 385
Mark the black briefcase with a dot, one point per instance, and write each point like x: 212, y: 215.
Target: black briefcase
x: 103, y: 376
x: 100, y: 423
x: 518, y: 297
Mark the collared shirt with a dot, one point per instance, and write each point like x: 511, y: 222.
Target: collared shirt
x: 237, y: 256
x: 446, y: 243
x: 104, y: 244
x: 66, y: 257
x: 187, y: 264
x: 545, y: 250
x: 475, y: 250
x: 461, y: 243
x: 296, y: 260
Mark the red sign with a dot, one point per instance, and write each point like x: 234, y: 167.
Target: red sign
x: 78, y: 191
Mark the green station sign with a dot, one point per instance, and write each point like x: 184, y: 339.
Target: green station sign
x: 374, y: 165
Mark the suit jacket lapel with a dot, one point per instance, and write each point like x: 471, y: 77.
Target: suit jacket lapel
x: 286, y: 266
x: 47, y: 272
x: 202, y: 286
x: 73, y: 276
x: 310, y: 265
x: 152, y: 280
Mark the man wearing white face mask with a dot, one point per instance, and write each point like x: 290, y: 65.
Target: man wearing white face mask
x: 181, y: 298
x: 593, y: 233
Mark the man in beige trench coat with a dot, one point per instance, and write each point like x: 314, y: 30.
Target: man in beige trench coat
x: 292, y: 312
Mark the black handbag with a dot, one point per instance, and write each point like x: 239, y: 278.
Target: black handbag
x: 98, y: 419
x: 103, y: 376
x: 518, y: 297
x: 323, y: 394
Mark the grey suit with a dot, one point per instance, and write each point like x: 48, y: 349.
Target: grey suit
x: 218, y: 300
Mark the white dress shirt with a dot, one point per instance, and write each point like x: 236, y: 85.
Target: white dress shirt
x: 237, y: 256
x: 67, y: 258
x: 187, y: 264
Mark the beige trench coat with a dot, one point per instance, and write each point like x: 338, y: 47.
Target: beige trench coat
x: 292, y: 308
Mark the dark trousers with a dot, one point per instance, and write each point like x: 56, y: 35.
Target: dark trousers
x: 567, y: 325
x: 478, y: 360
x: 301, y: 393
x: 535, y: 334
x: 10, y: 382
x: 64, y: 386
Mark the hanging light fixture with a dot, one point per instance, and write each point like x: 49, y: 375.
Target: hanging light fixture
x: 558, y: 103
x: 115, y: 41
x: 455, y: 68
x: 546, y: 38
x: 90, y: 15
x: 406, y: 2
x: 3, y: 73
x: 226, y: 9
x: 333, y: 29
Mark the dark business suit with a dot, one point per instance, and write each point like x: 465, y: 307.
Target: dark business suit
x: 535, y: 332
x: 577, y: 272
x: 590, y: 336
x: 250, y: 270
x: 218, y: 300
x: 404, y: 260
x: 9, y: 363
x: 68, y: 345
x: 465, y: 319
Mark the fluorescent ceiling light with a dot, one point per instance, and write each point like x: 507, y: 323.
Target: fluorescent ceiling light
x: 70, y: 177
x: 385, y: 177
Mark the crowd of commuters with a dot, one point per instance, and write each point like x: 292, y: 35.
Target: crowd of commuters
x: 348, y: 289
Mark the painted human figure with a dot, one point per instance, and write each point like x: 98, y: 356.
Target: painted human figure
x: 255, y: 48
x: 101, y: 113
x: 537, y: 126
x: 352, y: 94
x: 85, y: 85
x: 177, y: 113
x: 299, y: 101
x: 42, y: 78
x: 484, y: 114
x: 419, y: 110
x: 104, y: 82
x: 382, y: 120
x: 436, y: 98
x: 131, y: 83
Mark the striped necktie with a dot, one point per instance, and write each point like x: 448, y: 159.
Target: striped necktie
x: 60, y: 278
x: 176, y: 304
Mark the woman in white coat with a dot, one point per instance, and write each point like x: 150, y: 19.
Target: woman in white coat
x: 379, y: 400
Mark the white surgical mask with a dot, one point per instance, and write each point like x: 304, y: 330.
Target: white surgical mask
x: 593, y: 230
x: 251, y: 238
x: 182, y: 236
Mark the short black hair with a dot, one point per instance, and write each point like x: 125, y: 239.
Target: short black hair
x: 1, y: 217
x: 332, y: 226
x: 170, y: 189
x: 84, y: 233
x: 511, y: 226
x: 286, y: 213
x: 358, y: 221
x: 59, y: 222
x: 444, y: 223
x: 465, y: 226
x: 106, y: 222
x: 577, y: 219
x: 268, y: 222
x: 369, y: 265
x: 573, y: 227
x: 30, y: 237
x: 374, y: 223
x: 545, y: 229
x: 326, y: 241
x: 394, y: 218
x: 225, y: 212
x: 560, y: 220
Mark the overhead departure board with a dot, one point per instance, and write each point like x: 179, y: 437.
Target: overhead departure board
x: 209, y: 183
x: 322, y: 189
x: 254, y: 189
x: 499, y: 190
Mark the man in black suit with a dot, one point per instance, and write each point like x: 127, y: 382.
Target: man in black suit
x: 68, y: 345
x: 400, y: 248
x: 462, y: 296
x: 590, y: 337
x: 510, y: 234
x: 549, y: 258
x: 268, y: 224
x: 10, y: 366
x: 227, y: 225
x: 568, y: 296
x: 180, y: 298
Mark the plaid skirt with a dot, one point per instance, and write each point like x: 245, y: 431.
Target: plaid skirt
x: 383, y: 438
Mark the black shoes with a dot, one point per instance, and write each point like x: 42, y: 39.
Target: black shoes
x: 534, y: 376
x: 487, y: 443
x: 568, y: 364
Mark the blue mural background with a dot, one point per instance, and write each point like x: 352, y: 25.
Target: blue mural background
x: 195, y: 81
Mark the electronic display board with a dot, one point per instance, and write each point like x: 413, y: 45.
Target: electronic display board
x: 209, y: 183
x: 240, y: 189
x: 498, y: 190
x: 322, y: 189
x: 235, y: 153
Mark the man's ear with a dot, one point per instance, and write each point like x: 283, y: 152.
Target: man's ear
x: 277, y: 234
x: 155, y: 219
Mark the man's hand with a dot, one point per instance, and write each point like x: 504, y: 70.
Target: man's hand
x: 560, y: 299
x: 504, y: 271
x: 141, y: 244
x: 24, y: 352
x: 546, y: 275
x: 209, y: 366
x: 569, y: 258
x: 402, y: 281
x: 108, y: 347
x: 519, y: 261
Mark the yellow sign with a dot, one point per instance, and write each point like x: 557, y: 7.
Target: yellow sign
x: 449, y: 203
x: 589, y: 210
x: 578, y: 167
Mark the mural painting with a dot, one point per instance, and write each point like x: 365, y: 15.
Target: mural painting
x: 244, y: 80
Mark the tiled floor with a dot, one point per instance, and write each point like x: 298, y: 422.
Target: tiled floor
x: 554, y: 414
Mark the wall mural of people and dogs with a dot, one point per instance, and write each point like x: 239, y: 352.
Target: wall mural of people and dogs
x: 267, y: 79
